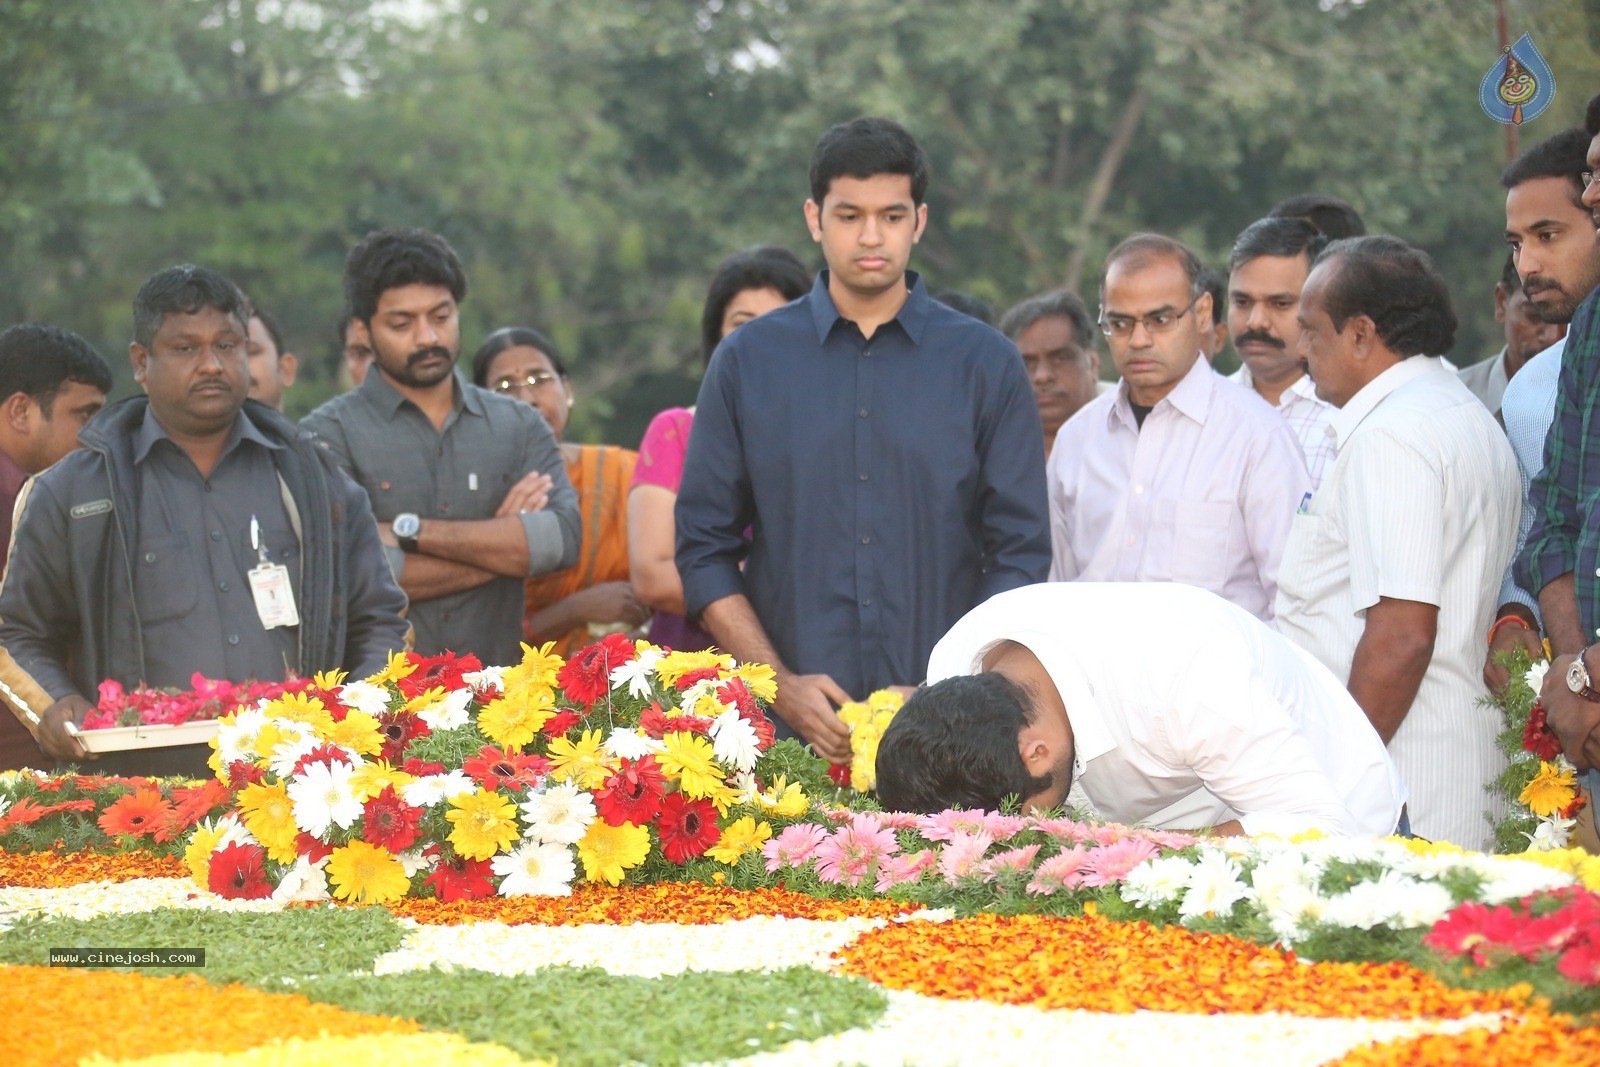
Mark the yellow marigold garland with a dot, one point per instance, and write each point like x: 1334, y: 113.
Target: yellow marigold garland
x: 690, y: 903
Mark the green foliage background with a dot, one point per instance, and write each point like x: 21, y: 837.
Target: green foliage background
x: 593, y: 162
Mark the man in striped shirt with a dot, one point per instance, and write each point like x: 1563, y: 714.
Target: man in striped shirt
x: 1392, y: 567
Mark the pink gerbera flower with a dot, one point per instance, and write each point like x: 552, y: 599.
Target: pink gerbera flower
x: 853, y: 852
x: 946, y: 824
x: 793, y: 846
x: 962, y: 854
x: 1062, y: 871
x: 1110, y: 864
x: 898, y: 870
x: 1016, y: 860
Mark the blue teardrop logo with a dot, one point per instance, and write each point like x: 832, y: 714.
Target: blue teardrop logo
x: 1519, y: 86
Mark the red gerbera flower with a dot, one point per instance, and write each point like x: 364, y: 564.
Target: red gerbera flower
x: 586, y: 677
x: 421, y: 768
x: 686, y: 680
x: 687, y: 827
x: 1581, y: 963
x: 191, y: 803
x: 443, y: 671
x: 657, y: 723
x: 329, y: 754
x: 237, y: 873
x: 633, y: 794
x: 458, y: 878
x: 1537, y: 737
x: 493, y: 767
x: 389, y: 821
x: 242, y: 773
x: 142, y: 812
x: 559, y: 723
x: 399, y: 729
x: 312, y: 848
x: 25, y: 812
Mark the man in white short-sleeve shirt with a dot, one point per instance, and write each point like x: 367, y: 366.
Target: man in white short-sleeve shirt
x: 1231, y: 726
x: 1392, y: 569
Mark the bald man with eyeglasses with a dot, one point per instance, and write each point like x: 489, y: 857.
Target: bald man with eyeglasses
x: 1177, y: 475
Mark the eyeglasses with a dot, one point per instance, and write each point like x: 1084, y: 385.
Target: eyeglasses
x: 534, y: 382
x: 1589, y: 177
x: 1155, y: 322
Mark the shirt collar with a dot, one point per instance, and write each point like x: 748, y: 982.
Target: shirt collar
x: 1344, y: 420
x: 380, y: 392
x: 1191, y: 396
x: 912, y: 316
x: 151, y: 431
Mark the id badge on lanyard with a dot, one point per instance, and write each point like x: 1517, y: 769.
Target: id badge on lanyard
x: 269, y: 585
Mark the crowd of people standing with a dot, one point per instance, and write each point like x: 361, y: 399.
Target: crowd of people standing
x: 866, y: 464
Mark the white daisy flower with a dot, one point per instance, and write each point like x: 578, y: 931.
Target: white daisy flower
x: 304, y: 882
x: 1157, y: 881
x: 448, y: 712
x: 536, y: 869
x: 323, y: 796
x: 364, y: 696
x: 734, y: 741
x: 559, y: 815
x: 1214, y: 886
x: 638, y: 674
x: 625, y: 743
x: 430, y: 789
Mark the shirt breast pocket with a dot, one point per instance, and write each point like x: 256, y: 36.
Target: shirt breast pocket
x: 165, y: 584
x: 1202, y: 542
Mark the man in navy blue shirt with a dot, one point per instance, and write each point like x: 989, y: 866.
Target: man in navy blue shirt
x: 884, y: 452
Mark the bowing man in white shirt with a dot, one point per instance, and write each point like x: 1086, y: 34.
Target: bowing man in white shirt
x: 1392, y: 569
x: 1177, y: 475
x: 1231, y: 727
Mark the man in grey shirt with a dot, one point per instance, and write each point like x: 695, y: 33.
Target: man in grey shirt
x: 195, y: 531
x: 468, y: 487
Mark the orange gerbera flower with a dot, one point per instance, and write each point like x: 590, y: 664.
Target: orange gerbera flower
x: 143, y: 812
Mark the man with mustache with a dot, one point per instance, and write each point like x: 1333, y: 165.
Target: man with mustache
x: 468, y: 487
x: 1266, y: 271
x: 1526, y: 335
x: 195, y: 531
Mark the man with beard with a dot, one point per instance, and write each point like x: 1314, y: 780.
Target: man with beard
x: 468, y: 487
x: 1237, y: 729
x: 1526, y: 335
x: 1266, y: 271
x: 1556, y: 252
x: 194, y: 531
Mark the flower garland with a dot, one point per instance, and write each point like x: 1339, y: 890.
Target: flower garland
x: 1540, y: 784
x: 867, y: 719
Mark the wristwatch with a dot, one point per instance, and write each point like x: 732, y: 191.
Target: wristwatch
x: 406, y: 526
x: 1578, y: 679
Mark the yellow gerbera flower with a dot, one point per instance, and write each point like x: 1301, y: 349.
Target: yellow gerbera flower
x: 300, y: 707
x: 400, y: 666
x: 485, y: 823
x: 268, y: 813
x: 690, y: 761
x: 370, y: 779
x: 366, y: 874
x: 358, y: 732
x: 537, y: 670
x: 608, y: 852
x: 760, y: 679
x: 197, y: 856
x: 784, y: 799
x: 329, y: 679
x: 1550, y: 791
x: 583, y: 761
x: 675, y: 665
x: 514, y: 719
x: 425, y: 699
x: 742, y: 836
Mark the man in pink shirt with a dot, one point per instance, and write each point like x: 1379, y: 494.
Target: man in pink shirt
x: 1177, y: 475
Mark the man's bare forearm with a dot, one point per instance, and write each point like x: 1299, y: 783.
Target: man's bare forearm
x: 426, y: 577
x: 1391, y: 659
x: 498, y: 546
x: 732, y: 621
x: 1558, y: 605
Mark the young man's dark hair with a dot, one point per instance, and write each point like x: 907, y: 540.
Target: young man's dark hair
x: 1333, y: 216
x: 511, y: 337
x: 1564, y: 155
x: 967, y: 304
x: 1591, y: 117
x: 184, y: 290
x: 1397, y: 287
x: 1142, y: 249
x: 761, y: 267
x: 864, y: 147
x: 1060, y: 304
x: 954, y: 745
x: 1277, y: 236
x: 36, y: 360
x: 391, y: 259
x: 274, y: 331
